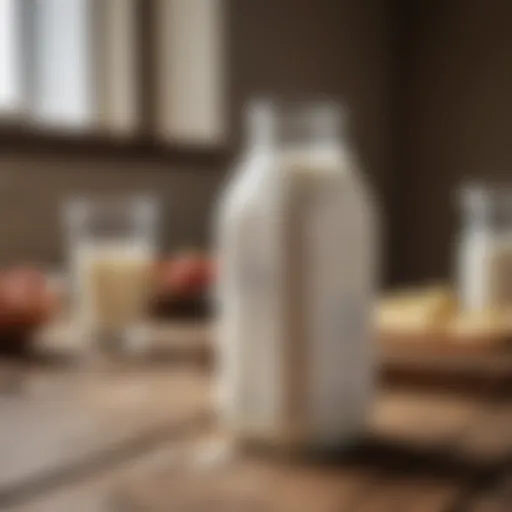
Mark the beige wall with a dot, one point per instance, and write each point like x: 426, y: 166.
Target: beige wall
x: 457, y: 119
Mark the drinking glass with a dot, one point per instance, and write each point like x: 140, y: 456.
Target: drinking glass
x: 112, y: 244
x: 485, y: 247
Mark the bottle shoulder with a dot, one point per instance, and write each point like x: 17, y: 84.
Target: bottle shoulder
x: 265, y: 183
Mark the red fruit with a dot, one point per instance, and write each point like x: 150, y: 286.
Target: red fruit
x: 186, y: 275
x: 24, y: 297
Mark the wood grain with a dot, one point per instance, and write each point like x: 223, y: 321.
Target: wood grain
x: 254, y: 485
x: 497, y: 498
x: 109, y: 437
x: 58, y: 425
x: 428, y: 364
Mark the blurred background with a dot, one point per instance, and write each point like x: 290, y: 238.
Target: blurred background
x: 130, y: 95
x: 145, y: 98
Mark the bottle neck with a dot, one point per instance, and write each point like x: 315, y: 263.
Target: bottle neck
x: 487, y: 210
x: 310, y: 132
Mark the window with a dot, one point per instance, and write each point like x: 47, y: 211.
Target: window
x: 81, y: 66
x: 10, y: 58
x: 63, y: 63
x: 190, y: 69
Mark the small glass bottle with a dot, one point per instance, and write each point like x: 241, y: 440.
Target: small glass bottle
x: 485, y: 248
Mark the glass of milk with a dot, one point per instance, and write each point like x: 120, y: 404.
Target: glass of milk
x: 111, y: 250
x: 485, y: 248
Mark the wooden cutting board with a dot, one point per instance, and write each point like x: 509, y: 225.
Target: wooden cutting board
x: 486, y: 370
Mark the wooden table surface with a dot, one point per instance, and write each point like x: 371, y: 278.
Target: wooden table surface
x: 141, y: 437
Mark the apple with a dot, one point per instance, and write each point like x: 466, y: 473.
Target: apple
x: 25, y: 299
x: 186, y: 275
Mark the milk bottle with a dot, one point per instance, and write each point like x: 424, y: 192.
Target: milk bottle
x: 296, y: 240
x: 484, y: 256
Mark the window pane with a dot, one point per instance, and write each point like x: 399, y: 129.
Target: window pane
x: 63, y: 79
x: 116, y: 37
x: 190, y: 70
x: 10, y: 57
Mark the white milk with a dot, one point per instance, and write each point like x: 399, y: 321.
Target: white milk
x: 112, y: 283
x: 485, y: 271
x: 500, y: 286
x: 484, y: 259
x: 297, y: 255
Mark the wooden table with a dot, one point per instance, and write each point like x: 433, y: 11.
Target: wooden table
x: 140, y: 437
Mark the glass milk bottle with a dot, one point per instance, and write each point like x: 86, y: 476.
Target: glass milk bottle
x: 296, y: 241
x: 485, y: 248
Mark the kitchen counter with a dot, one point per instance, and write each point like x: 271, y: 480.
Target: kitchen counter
x: 127, y: 436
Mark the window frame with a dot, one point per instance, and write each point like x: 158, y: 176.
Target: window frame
x: 143, y: 143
